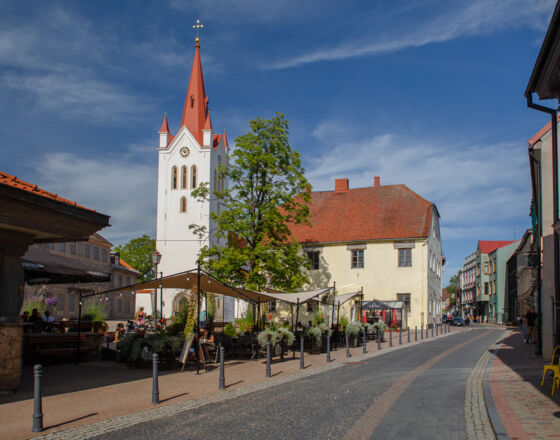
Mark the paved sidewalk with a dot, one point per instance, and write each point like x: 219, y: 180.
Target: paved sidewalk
x: 92, y: 403
x: 519, y: 407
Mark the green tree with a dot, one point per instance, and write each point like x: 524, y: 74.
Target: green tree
x: 138, y: 253
x: 267, y: 191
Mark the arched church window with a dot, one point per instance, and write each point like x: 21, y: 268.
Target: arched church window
x: 184, y: 177
x: 183, y: 205
x: 216, y: 185
x: 174, y: 178
x: 193, y: 177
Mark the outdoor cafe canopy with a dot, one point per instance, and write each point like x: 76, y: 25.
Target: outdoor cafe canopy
x: 341, y: 299
x: 189, y: 281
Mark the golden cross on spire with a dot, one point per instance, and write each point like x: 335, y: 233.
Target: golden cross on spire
x: 197, y: 26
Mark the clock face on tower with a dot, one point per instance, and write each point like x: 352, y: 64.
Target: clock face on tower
x: 184, y: 151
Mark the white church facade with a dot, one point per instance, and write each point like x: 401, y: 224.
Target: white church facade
x: 185, y: 160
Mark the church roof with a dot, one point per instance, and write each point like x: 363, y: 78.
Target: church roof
x: 360, y: 214
x: 195, y: 112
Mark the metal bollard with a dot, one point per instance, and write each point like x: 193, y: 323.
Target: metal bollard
x: 347, y: 346
x: 328, y: 348
x: 415, y: 333
x: 421, y: 332
x: 364, y: 347
x: 408, y: 335
x: 268, y: 359
x: 390, y: 337
x: 37, y: 402
x: 301, y: 358
x: 155, y: 387
x: 400, y: 337
x: 378, y: 340
x: 433, y: 325
x: 222, y: 385
x: 437, y: 328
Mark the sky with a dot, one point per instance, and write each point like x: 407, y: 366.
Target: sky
x: 426, y: 93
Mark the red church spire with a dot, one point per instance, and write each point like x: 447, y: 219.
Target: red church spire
x: 164, y: 125
x: 195, y: 113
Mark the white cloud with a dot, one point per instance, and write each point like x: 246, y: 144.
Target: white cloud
x: 472, y: 18
x: 477, y: 188
x: 114, y: 185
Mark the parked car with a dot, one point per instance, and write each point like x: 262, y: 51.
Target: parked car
x: 458, y: 321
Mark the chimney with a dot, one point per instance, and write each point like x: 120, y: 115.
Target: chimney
x: 376, y: 183
x: 340, y: 185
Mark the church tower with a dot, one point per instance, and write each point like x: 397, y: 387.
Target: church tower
x: 185, y: 160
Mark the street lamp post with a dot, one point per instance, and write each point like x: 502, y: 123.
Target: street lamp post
x: 156, y: 258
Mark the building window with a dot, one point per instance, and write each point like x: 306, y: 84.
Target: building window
x: 310, y: 306
x: 127, y: 305
x: 96, y: 253
x: 72, y: 248
x: 119, y: 280
x: 104, y: 255
x: 272, y: 306
x: 128, y: 281
x: 50, y: 245
x: 216, y: 183
x: 70, y: 303
x: 174, y: 178
x: 62, y: 247
x: 184, y: 177
x: 405, y: 298
x: 61, y: 300
x: 194, y: 176
x: 486, y: 288
x: 485, y: 268
x: 119, y: 305
x: 183, y: 204
x: 86, y: 250
x: 405, y: 257
x: 357, y: 259
x: 313, y: 259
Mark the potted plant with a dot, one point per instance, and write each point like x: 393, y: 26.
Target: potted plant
x: 229, y: 330
x: 315, y: 335
x: 353, y: 330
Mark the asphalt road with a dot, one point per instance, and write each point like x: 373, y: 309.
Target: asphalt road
x: 414, y: 393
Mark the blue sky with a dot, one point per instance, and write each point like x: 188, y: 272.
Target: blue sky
x: 427, y: 93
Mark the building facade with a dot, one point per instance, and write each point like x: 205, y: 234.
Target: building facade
x: 384, y: 239
x: 498, y: 279
x: 186, y: 160
x: 63, y: 270
x: 468, y: 285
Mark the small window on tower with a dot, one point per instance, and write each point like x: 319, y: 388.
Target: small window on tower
x: 192, y: 101
x: 183, y: 177
x: 183, y: 207
x: 193, y: 177
x: 174, y: 178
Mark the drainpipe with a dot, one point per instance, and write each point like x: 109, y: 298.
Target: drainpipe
x: 554, y: 131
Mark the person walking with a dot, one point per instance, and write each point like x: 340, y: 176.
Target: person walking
x: 531, y: 317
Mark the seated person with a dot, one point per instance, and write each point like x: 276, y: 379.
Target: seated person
x: 119, y: 332
x: 140, y: 318
x: 48, y: 321
x: 207, y: 342
x: 25, y: 316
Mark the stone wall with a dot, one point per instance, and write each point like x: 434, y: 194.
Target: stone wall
x: 11, y: 337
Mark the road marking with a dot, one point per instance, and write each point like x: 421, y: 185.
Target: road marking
x: 368, y: 423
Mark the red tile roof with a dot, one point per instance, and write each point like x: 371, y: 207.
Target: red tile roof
x: 487, y: 247
x: 384, y: 212
x: 539, y: 134
x: 125, y: 264
x: 444, y: 294
x: 14, y: 182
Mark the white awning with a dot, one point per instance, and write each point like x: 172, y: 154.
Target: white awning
x: 298, y: 297
x: 189, y: 281
x: 341, y: 299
